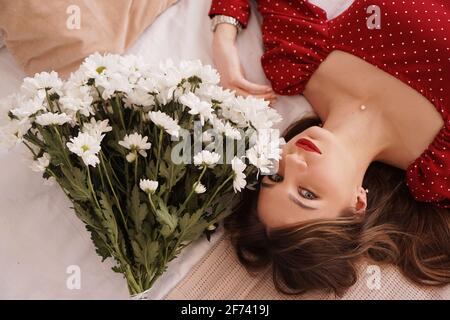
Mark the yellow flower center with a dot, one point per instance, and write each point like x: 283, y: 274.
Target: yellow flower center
x: 100, y: 69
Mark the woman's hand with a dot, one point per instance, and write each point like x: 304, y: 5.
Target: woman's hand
x: 226, y: 59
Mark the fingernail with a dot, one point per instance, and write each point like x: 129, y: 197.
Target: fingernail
x: 268, y: 89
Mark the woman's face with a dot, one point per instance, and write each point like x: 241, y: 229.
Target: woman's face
x: 324, y: 181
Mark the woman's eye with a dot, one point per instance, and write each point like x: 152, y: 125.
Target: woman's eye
x: 275, y: 177
x: 307, y: 194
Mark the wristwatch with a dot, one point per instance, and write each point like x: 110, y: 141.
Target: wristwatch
x: 220, y: 18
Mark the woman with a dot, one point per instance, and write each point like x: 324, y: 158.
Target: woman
x: 381, y: 94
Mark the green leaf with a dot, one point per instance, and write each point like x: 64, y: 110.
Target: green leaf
x: 100, y: 244
x: 192, y: 226
x: 138, y: 255
x: 84, y: 215
x: 53, y: 146
x: 138, y: 211
x: 151, y: 252
x: 150, y: 170
x: 109, y: 220
x: 75, y: 182
x: 167, y: 220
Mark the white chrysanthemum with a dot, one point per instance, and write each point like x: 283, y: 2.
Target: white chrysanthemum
x: 49, y: 118
x: 87, y: 147
x: 206, y: 158
x: 208, y: 75
x: 206, y: 137
x: 238, y: 167
x: 189, y: 68
x: 97, y: 65
x: 77, y: 99
x: 260, y: 160
x: 213, y: 92
x: 114, y: 83
x: 148, y: 186
x: 268, y: 142
x: 199, y: 188
x: 96, y: 128
x: 235, y: 113
x: 163, y: 120
x: 134, y: 67
x: 221, y: 127
x: 197, y: 107
x: 131, y: 157
x: 29, y: 108
x: 232, y: 132
x: 169, y: 78
x: 257, y: 112
x: 12, y: 132
x: 109, y: 72
x: 139, y: 96
x: 40, y: 83
x: 137, y: 144
x: 41, y: 164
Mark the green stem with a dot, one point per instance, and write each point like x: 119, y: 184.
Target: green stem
x: 29, y: 148
x: 170, y: 185
x: 102, y: 161
x: 91, y: 187
x: 216, y: 192
x: 50, y: 104
x: 159, y: 154
x: 136, y: 161
x: 62, y: 146
x: 133, y: 286
x: 58, y: 106
x: 183, y: 206
x: 119, y: 111
x: 127, y: 175
x: 34, y: 140
x: 151, y: 203
x: 99, y: 94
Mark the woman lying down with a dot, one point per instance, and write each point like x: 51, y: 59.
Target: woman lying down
x: 368, y: 175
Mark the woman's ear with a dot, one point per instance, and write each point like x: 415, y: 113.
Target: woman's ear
x: 361, y: 201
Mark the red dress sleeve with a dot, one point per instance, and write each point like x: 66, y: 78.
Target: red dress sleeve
x: 238, y: 9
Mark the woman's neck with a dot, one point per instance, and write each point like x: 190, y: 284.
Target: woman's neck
x: 366, y: 132
x: 396, y: 114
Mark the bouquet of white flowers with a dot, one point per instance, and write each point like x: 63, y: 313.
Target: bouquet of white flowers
x: 150, y: 156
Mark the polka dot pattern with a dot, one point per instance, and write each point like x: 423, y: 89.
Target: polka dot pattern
x: 411, y: 45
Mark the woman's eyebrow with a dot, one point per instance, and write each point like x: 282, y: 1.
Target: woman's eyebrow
x: 267, y: 185
x: 299, y: 203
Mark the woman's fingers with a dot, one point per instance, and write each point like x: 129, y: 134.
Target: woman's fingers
x: 253, y: 88
x: 267, y: 96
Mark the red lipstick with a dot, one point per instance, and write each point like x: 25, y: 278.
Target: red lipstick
x: 307, y: 145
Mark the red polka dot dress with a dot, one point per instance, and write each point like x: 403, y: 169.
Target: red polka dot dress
x: 409, y: 39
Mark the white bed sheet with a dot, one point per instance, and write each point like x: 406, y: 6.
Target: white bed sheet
x: 40, y: 237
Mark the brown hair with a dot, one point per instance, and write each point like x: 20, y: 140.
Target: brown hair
x: 323, y: 254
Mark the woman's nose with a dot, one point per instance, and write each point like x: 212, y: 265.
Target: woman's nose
x: 296, y: 161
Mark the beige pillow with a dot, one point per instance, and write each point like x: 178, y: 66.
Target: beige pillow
x: 44, y: 35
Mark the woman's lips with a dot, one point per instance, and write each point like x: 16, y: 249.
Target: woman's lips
x: 307, y: 145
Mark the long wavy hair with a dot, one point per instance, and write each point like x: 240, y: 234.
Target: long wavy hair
x: 324, y: 254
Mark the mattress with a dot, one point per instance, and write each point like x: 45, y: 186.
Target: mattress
x: 41, y: 240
